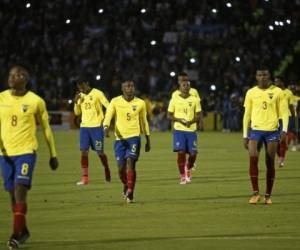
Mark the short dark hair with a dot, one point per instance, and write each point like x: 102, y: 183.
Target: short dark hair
x: 182, y: 73
x: 81, y: 82
x: 263, y: 67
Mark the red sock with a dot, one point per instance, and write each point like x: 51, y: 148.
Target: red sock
x: 253, y: 172
x: 85, y: 166
x: 131, y: 179
x: 291, y: 136
x: 123, y: 175
x: 270, y: 176
x: 181, y: 163
x: 282, y: 147
x: 104, y: 160
x: 191, y: 161
x: 20, y: 210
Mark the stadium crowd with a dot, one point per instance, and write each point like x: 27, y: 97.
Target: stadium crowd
x: 218, y: 43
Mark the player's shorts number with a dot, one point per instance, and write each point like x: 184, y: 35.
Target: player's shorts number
x: 14, y: 120
x: 264, y: 105
x: 133, y: 148
x: 25, y: 168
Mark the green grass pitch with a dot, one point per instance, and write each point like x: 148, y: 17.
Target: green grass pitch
x: 210, y: 213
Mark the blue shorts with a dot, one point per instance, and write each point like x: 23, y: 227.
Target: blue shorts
x: 127, y: 148
x: 17, y: 170
x: 264, y: 136
x: 92, y: 137
x: 292, y: 124
x: 184, y: 141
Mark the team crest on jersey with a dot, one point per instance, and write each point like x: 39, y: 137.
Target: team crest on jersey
x: 24, y: 107
x: 134, y: 107
x: 270, y: 95
x: 91, y: 98
x: 190, y: 104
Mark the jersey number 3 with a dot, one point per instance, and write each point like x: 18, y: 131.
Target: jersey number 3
x: 264, y: 105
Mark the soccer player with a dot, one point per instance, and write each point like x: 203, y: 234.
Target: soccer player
x: 288, y: 95
x: 20, y: 109
x: 130, y: 120
x: 193, y: 92
x: 184, y: 110
x: 89, y: 104
x: 264, y: 105
x: 295, y: 138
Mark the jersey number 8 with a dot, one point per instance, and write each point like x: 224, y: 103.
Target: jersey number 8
x: 14, y: 120
x: 25, y: 168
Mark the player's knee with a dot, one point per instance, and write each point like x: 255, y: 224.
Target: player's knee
x: 20, y: 193
x: 84, y: 152
x: 130, y: 163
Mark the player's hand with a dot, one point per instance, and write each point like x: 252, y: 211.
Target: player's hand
x: 77, y: 97
x: 283, y: 137
x: 246, y: 142
x: 188, y: 123
x: 184, y: 122
x: 106, y: 131
x: 53, y: 162
x: 147, y: 146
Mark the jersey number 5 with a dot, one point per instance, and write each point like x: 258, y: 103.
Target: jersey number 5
x: 128, y: 116
x: 14, y: 120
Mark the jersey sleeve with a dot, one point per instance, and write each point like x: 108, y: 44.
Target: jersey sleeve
x: 1, y: 143
x: 44, y: 120
x: 77, y: 109
x: 198, y: 106
x: 171, y: 107
x: 110, y: 112
x: 284, y: 111
x: 247, y: 115
x: 103, y: 99
x: 196, y: 93
x: 144, y: 121
x: 174, y: 94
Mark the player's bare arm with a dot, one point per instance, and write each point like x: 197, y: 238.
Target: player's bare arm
x: 148, y: 144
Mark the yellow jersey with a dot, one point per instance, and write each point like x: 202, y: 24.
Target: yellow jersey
x: 263, y: 109
x: 89, y: 106
x: 18, y: 116
x: 288, y: 95
x: 130, y: 117
x: 192, y: 92
x: 295, y: 100
x: 184, y: 108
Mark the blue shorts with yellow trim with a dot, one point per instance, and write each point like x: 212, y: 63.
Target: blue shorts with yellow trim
x: 184, y: 141
x: 127, y: 148
x: 92, y: 137
x: 17, y: 170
